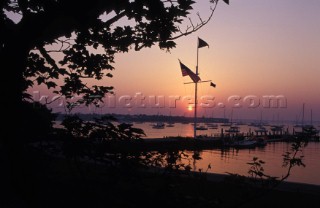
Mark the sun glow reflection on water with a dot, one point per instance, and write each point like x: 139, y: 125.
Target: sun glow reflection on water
x: 235, y: 161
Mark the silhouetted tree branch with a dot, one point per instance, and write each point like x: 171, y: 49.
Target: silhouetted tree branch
x: 95, y: 38
x: 89, y: 36
x: 259, y: 179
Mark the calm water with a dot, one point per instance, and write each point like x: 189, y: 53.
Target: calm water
x: 234, y: 161
x: 187, y: 130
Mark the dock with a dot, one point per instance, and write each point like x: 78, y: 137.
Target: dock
x: 189, y: 143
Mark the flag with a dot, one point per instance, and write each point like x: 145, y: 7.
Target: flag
x: 187, y: 72
x: 212, y: 84
x: 202, y: 43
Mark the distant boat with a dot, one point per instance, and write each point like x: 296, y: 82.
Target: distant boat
x: 233, y: 129
x: 261, y: 129
x: 212, y: 126
x: 254, y: 124
x: 226, y: 124
x: 201, y: 127
x: 302, y: 121
x: 229, y: 123
x: 297, y: 125
x: 244, y: 144
x: 240, y: 123
x: 277, y: 127
x: 158, y: 125
x: 170, y: 125
x: 261, y: 141
x: 308, y: 132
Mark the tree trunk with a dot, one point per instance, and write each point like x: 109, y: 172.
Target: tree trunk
x: 14, y: 60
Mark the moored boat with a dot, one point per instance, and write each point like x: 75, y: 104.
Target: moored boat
x: 261, y: 141
x: 201, y: 127
x: 245, y: 144
x: 233, y: 129
x: 170, y: 125
x: 308, y: 132
x: 158, y: 125
x: 212, y: 126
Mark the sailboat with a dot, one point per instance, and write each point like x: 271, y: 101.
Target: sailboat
x: 277, y: 127
x: 170, y: 123
x: 302, y: 120
x: 311, y: 130
x: 308, y: 131
x: 233, y: 129
x: 297, y: 123
x: 201, y: 127
x: 158, y: 125
x: 229, y: 123
x: 212, y: 126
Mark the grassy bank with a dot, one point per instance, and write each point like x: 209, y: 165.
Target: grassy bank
x: 55, y: 182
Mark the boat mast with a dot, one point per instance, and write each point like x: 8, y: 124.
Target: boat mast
x: 196, y: 95
x: 231, y: 116
x: 303, y: 115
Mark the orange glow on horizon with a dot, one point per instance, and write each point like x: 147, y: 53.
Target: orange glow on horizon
x: 261, y: 60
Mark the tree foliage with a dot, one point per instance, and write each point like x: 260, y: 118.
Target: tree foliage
x: 77, y: 40
x: 39, y: 123
x: 102, y: 129
x: 63, y: 43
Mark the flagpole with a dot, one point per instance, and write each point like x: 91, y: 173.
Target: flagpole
x: 195, y: 78
x: 196, y: 95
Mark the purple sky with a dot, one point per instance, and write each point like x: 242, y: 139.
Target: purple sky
x: 257, y: 49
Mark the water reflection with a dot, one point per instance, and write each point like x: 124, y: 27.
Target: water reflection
x: 235, y: 161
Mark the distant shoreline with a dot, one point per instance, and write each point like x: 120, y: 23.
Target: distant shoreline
x: 168, y: 118
x: 148, y: 118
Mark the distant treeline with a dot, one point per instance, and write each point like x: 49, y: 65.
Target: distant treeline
x: 148, y: 118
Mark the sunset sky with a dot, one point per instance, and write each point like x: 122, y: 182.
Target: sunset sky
x: 257, y: 48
